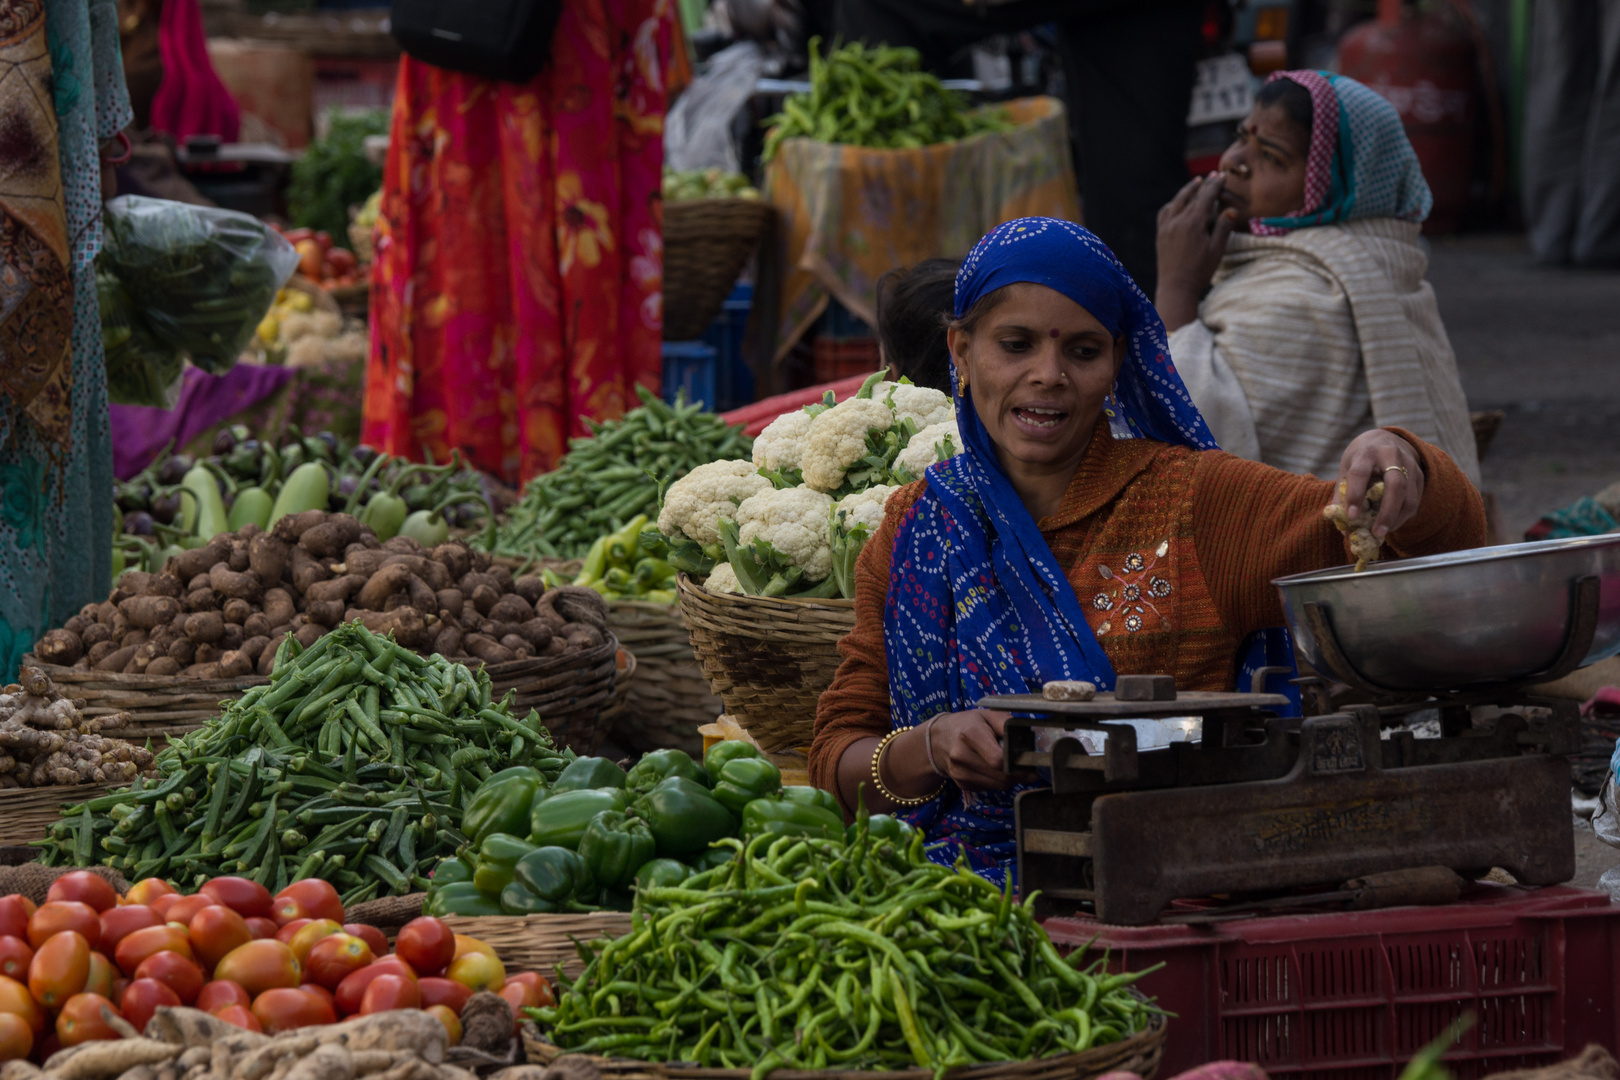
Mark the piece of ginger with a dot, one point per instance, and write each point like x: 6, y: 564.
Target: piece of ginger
x: 1364, y: 546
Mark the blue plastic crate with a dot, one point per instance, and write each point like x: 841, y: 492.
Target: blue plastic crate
x: 689, y: 367
x: 734, y: 380
x: 842, y: 324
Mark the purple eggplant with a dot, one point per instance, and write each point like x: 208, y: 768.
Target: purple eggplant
x: 174, y: 470
x: 165, y: 507
x: 139, y: 523
x: 134, y: 497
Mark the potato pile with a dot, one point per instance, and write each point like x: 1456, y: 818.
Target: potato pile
x: 44, y: 739
x: 217, y: 611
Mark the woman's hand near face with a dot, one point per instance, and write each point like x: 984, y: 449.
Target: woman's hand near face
x: 1381, y: 455
x: 1189, y: 250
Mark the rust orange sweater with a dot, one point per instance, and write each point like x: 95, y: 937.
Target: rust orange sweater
x: 1171, y: 552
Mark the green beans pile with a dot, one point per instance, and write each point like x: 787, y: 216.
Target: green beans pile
x: 607, y: 479
x: 876, y: 96
x: 820, y: 954
x: 354, y: 764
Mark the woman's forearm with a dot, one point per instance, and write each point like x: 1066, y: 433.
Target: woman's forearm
x: 906, y: 771
x: 1177, y: 305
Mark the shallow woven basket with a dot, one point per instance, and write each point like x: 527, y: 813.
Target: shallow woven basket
x: 706, y: 244
x: 570, y: 691
x: 157, y: 705
x: 28, y: 813
x: 541, y: 942
x: 768, y: 659
x: 670, y: 698
x: 34, y: 881
x: 1139, y: 1054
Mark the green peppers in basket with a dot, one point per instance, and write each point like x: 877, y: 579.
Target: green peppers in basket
x: 615, y: 847
x: 560, y: 820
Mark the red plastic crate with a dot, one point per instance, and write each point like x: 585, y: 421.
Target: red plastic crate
x: 1352, y: 996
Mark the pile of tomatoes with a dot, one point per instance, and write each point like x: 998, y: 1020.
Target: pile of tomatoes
x: 265, y: 963
x: 322, y: 263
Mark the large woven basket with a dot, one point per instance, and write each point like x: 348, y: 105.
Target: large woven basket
x: 570, y: 691
x: 1139, y: 1054
x: 670, y: 698
x: 706, y: 244
x: 28, y: 813
x: 541, y: 942
x: 157, y: 705
x: 768, y: 659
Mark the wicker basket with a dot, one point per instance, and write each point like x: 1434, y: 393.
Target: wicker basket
x: 28, y: 813
x: 768, y: 659
x: 706, y: 244
x: 540, y: 942
x: 158, y: 705
x: 570, y: 691
x: 1139, y: 1054
x: 670, y: 698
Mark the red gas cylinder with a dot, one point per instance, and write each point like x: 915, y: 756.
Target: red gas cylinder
x: 1425, y: 66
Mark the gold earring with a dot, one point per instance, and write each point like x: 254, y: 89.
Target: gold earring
x: 962, y: 382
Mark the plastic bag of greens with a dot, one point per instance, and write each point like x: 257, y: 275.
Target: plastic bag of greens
x: 202, y: 277
x: 141, y: 370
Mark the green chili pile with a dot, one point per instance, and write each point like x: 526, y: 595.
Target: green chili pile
x: 605, y: 480
x: 810, y: 953
x: 876, y: 96
x: 354, y: 764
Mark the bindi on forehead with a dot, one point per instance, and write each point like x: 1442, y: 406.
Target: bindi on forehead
x: 1053, y: 332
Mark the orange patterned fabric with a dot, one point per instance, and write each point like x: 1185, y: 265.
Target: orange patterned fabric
x: 1171, y: 552
x: 518, y: 284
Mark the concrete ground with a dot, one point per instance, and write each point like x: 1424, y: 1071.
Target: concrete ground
x: 1544, y: 346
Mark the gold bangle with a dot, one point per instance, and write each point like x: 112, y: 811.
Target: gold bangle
x: 877, y: 777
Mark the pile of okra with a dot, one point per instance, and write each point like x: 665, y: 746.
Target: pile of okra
x: 353, y: 765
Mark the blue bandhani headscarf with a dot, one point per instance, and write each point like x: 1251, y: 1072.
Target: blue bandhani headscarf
x: 977, y: 602
x: 1360, y: 163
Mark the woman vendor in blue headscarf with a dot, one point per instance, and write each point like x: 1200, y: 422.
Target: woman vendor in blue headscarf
x: 1089, y: 526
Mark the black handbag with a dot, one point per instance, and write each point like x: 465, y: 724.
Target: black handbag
x: 496, y: 39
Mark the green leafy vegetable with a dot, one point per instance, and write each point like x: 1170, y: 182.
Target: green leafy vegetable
x: 334, y: 173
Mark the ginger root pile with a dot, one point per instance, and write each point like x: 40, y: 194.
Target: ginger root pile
x: 1364, y: 546
x: 45, y: 739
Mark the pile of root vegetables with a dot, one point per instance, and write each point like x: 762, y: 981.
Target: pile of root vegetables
x: 219, y: 610
x: 45, y: 739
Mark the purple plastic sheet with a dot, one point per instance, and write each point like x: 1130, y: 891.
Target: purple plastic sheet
x: 139, y: 432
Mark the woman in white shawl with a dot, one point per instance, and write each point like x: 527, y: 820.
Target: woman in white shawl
x: 1319, y: 324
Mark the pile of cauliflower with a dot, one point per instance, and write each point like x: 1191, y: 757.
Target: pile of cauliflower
x: 792, y: 522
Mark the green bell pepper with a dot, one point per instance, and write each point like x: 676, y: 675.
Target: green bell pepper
x: 662, y: 873
x: 783, y: 817
x: 589, y: 772
x: 722, y: 752
x: 617, y: 900
x: 683, y: 816
x: 450, y: 871
x: 882, y: 827
x: 460, y: 898
x: 497, y: 857
x: 548, y: 879
x: 744, y: 779
x: 660, y: 765
x: 614, y: 847
x: 560, y: 820
x: 809, y: 796
x: 502, y: 804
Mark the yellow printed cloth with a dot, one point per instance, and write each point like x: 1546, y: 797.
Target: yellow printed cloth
x: 850, y: 214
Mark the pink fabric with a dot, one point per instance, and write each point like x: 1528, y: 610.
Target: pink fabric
x: 756, y: 417
x: 190, y: 100
x: 1604, y: 704
x: 1324, y: 141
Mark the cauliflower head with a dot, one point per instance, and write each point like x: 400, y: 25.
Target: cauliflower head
x: 781, y: 444
x: 923, y: 449
x: 924, y: 405
x: 837, y: 440
x: 795, y: 522
x: 864, y: 507
x: 723, y: 579
x: 697, y: 501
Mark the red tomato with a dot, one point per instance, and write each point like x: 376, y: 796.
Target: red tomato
x: 342, y: 260
x: 182, y: 976
x: 289, y: 930
x: 370, y: 935
x: 284, y: 1009
x: 261, y: 927
x: 241, y: 1016
x: 246, y: 898
x: 15, y: 998
x: 14, y: 957
x: 310, y: 933
x: 61, y: 915
x: 86, y: 888
x: 437, y: 991
x: 390, y: 992
x: 321, y: 992
x: 319, y: 898
x: 142, y: 999
x: 259, y: 966
x: 353, y: 987
x: 183, y: 910
x: 465, y: 945
x: 81, y: 1021
x: 60, y: 968
x: 452, y: 1023
x: 215, y: 931
x: 216, y: 995
x: 102, y: 976
x: 309, y: 258
x: 295, y: 235
x: 15, y: 911
x: 324, y: 239
x: 541, y: 985
x: 16, y: 1037
x: 120, y: 984
x: 162, y: 903
x: 147, y: 890
x: 334, y: 958
x: 477, y: 971
x: 123, y: 921
x: 140, y: 944
x: 427, y: 944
